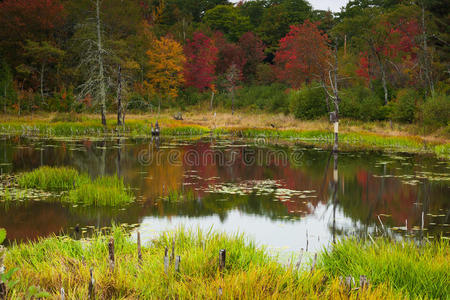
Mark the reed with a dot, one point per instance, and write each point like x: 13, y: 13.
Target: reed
x: 103, y: 191
x: 420, y: 271
x: 52, y: 179
x: 249, y: 273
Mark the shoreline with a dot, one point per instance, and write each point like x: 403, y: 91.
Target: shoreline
x: 353, y: 136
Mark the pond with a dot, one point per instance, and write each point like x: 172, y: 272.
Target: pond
x: 281, y: 195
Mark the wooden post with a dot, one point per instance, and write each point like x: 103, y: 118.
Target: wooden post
x: 139, y: 248
x: 91, y: 284
x: 3, y: 291
x: 314, y: 263
x: 297, y: 266
x: 166, y: 264
x: 177, y: 263
x: 222, y: 259
x: 111, y: 254
x: 363, y: 282
x: 172, y: 255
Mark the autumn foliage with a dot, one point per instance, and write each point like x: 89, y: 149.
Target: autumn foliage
x: 201, y: 57
x: 303, y: 55
x: 166, y: 62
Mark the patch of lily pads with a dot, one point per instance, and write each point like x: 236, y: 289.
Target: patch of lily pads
x: 259, y: 188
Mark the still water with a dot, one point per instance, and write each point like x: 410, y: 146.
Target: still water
x: 282, y: 196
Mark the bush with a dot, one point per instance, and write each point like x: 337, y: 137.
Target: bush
x: 360, y: 103
x: 191, y: 96
x: 308, y: 102
x: 436, y: 111
x: 404, y: 107
x: 270, y: 98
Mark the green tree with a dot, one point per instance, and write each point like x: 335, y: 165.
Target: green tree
x: 227, y: 18
x: 277, y: 18
x: 43, y: 54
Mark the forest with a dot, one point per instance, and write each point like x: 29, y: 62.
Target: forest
x: 375, y: 60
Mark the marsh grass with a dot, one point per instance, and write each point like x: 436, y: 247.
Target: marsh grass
x: 250, y: 273
x: 354, y: 134
x: 103, y: 191
x: 420, y: 271
x: 52, y: 179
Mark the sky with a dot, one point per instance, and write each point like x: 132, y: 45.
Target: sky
x: 333, y: 5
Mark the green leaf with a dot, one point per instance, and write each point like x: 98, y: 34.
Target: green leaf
x: 2, y: 235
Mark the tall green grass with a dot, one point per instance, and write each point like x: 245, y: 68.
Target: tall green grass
x: 103, y: 191
x: 418, y: 271
x: 52, y: 178
x: 250, y: 273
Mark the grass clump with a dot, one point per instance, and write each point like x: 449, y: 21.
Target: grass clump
x: 420, y: 271
x: 103, y: 191
x: 250, y: 273
x: 52, y: 178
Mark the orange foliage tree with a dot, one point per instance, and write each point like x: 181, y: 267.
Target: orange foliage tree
x: 166, y: 65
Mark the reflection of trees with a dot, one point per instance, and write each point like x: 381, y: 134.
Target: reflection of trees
x: 361, y: 195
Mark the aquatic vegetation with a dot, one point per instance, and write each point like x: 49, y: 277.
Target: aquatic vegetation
x: 179, y: 196
x: 249, y: 272
x: 103, y: 191
x: 52, y: 179
x: 2, y: 235
x: 421, y: 271
x: 259, y: 187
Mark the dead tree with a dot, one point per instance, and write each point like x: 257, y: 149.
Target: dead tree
x: 93, y: 59
x: 330, y: 86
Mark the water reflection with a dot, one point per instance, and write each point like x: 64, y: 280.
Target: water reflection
x: 276, y: 202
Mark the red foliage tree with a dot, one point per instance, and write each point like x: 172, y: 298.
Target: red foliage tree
x: 398, y: 46
x: 253, y: 49
x: 201, y: 56
x: 303, y: 55
x: 229, y: 54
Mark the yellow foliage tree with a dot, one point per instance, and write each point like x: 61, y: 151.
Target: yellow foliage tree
x: 166, y: 63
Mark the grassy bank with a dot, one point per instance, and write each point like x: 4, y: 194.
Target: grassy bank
x: 353, y: 135
x: 250, y: 272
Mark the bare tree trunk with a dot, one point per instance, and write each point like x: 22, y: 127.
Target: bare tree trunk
x: 212, y: 99
x: 336, y: 99
x: 159, y: 105
x: 425, y: 59
x: 42, y: 81
x: 119, y: 97
x: 232, y: 100
x: 101, y: 68
x: 4, y: 99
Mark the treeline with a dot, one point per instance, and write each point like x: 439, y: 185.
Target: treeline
x: 374, y: 60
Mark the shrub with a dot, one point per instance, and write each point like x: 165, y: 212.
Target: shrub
x: 269, y: 98
x: 49, y: 178
x: 403, y: 108
x: 361, y: 103
x: 308, y: 102
x: 264, y: 74
x: 436, y: 111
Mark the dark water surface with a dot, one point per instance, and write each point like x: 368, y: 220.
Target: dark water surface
x: 281, y: 196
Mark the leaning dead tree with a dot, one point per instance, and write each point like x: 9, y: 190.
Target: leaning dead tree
x: 93, y: 61
x: 330, y: 85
